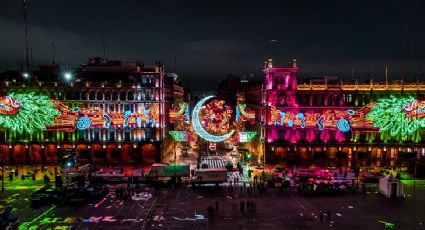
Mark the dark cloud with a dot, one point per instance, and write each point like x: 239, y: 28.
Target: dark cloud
x: 209, y: 39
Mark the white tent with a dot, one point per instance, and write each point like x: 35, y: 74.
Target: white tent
x: 391, y: 187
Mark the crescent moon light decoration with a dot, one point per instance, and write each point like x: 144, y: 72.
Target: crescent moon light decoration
x: 200, y: 130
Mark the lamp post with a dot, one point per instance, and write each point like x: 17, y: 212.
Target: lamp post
x: 174, y: 150
x: 2, y: 170
x: 264, y: 154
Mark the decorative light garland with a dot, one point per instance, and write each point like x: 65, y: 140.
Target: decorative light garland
x: 320, y: 122
x: 390, y: 114
x: 83, y: 123
x: 34, y: 114
x: 343, y: 125
x: 198, y: 127
x: 246, y: 136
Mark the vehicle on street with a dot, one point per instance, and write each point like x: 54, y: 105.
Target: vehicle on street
x: 210, y: 176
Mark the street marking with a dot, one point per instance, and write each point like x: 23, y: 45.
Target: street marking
x: 27, y: 224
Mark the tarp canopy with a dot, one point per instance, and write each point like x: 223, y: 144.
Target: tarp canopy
x: 391, y: 187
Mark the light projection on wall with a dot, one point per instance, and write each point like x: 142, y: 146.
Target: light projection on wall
x: 26, y: 112
x: 339, y: 119
x: 398, y: 115
x: 180, y: 113
x: 86, y: 118
x: 200, y: 130
x: 9, y: 105
x: 96, y: 117
x: 320, y: 125
x: 244, y: 114
x: 343, y: 125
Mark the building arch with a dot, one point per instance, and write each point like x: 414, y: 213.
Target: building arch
x: 123, y: 95
x: 99, y: 95
x: 92, y: 95
x: 108, y: 95
x: 114, y: 95
x: 130, y: 95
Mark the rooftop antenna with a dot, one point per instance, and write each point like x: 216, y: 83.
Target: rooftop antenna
x: 53, y: 53
x: 104, y: 46
x: 386, y: 74
x: 26, y: 37
x: 31, y: 61
x: 175, y: 63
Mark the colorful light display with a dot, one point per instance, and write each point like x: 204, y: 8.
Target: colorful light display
x: 200, y: 130
x: 216, y: 116
x: 320, y: 125
x: 397, y: 115
x: 244, y: 114
x: 83, y: 123
x: 180, y: 113
x: 343, y: 125
x: 246, y: 136
x: 8, y: 105
x: 180, y: 135
x: 326, y: 119
x: 86, y: 118
x: 28, y: 112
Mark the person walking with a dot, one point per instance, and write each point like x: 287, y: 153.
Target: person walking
x: 328, y: 215
x: 321, y: 216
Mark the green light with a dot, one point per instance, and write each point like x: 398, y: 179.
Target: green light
x: 178, y: 135
x: 388, y: 115
x: 36, y: 112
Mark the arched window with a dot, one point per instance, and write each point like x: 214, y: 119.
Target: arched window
x: 114, y: 95
x: 130, y: 95
x: 92, y: 95
x: 122, y: 95
x: 76, y: 96
x: 108, y: 95
x: 99, y: 95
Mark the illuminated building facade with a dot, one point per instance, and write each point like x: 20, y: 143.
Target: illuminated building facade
x: 119, y: 118
x: 327, y: 122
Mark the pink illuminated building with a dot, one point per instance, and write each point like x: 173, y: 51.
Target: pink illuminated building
x: 323, y: 122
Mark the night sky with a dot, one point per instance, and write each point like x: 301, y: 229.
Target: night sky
x: 211, y: 39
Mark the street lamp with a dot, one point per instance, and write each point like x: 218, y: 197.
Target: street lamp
x: 67, y: 76
x: 26, y: 75
x: 2, y: 170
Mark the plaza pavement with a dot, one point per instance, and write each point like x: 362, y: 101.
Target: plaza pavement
x: 187, y: 208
